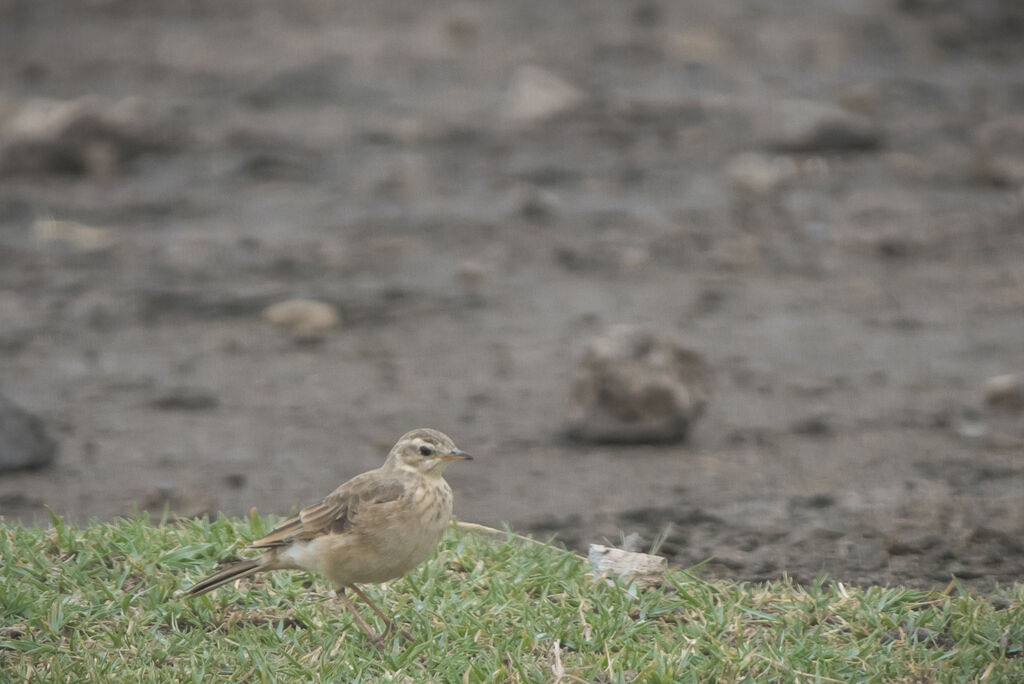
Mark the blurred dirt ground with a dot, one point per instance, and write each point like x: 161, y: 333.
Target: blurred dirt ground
x: 824, y: 198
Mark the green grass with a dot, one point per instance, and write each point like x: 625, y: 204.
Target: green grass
x: 97, y: 604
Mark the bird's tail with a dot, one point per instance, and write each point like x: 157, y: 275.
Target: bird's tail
x: 228, y: 574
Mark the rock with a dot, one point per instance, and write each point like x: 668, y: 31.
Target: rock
x: 760, y: 174
x: 532, y: 203
x: 970, y: 425
x: 236, y: 480
x: 1000, y: 602
x: 697, y: 45
x: 642, y: 568
x: 637, y: 386
x: 807, y: 126
x: 305, y: 319
x: 83, y: 136
x: 818, y: 424
x: 1005, y: 391
x: 24, y: 440
x: 535, y: 95
x: 633, y: 259
x: 819, y: 500
x: 863, y: 98
x: 185, y: 399
x: 898, y: 546
x: 72, y: 234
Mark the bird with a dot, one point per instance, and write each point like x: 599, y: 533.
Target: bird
x: 374, y: 528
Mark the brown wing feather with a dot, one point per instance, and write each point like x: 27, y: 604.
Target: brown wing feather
x: 336, y: 512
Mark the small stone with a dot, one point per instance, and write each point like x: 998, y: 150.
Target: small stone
x: 1005, y: 391
x: 1000, y: 602
x: 760, y: 174
x: 644, y: 569
x: 896, y: 546
x: 185, y: 399
x: 470, y: 274
x: 820, y: 500
x: 634, y: 258
x: 814, y: 425
x: 808, y: 126
x: 532, y: 203
x: 25, y: 441
x: 535, y: 95
x: 73, y: 234
x: 637, y: 386
x: 697, y: 45
x: 235, y: 480
x: 83, y: 136
x: 863, y: 98
x: 304, y: 319
x: 899, y: 546
x: 969, y: 425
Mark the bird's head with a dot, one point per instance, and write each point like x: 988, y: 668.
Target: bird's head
x: 426, y: 451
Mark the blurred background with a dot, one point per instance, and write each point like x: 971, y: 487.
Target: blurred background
x: 244, y: 246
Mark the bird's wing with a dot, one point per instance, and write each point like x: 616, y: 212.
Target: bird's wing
x: 337, y: 512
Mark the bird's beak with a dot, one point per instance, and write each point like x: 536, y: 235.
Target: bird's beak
x: 458, y: 455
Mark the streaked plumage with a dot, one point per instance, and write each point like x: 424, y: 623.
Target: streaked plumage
x: 376, y: 527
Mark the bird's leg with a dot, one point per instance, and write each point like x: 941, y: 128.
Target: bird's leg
x: 351, y: 607
x: 389, y: 625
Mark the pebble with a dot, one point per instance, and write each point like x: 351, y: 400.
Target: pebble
x: 304, y: 319
x: 760, y: 174
x: 25, y: 441
x: 804, y: 126
x: 84, y: 136
x: 185, y: 399
x: 73, y: 234
x: 535, y: 95
x: 1005, y: 391
x: 635, y: 385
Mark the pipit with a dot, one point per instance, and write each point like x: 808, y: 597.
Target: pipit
x: 376, y: 527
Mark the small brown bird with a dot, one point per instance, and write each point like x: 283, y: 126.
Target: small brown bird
x: 376, y: 527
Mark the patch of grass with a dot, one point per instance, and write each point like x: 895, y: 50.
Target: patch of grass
x: 98, y: 604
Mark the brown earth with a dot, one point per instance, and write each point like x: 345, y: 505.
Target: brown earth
x: 852, y: 282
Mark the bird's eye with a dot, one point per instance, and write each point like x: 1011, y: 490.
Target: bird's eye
x: 426, y: 451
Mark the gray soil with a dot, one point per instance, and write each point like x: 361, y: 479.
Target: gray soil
x: 851, y: 300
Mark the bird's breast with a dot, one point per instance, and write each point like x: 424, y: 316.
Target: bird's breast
x: 391, y: 547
